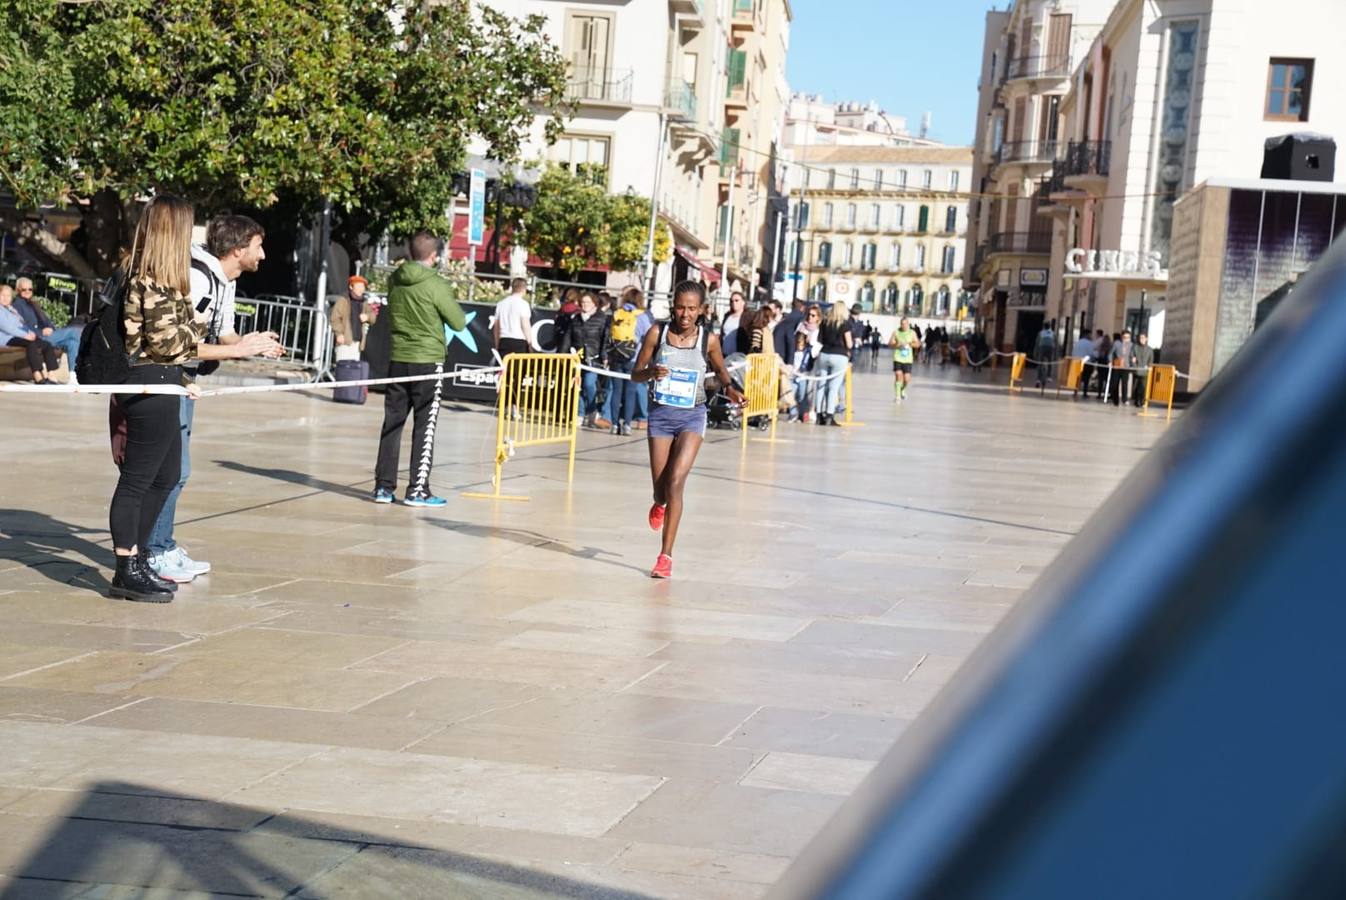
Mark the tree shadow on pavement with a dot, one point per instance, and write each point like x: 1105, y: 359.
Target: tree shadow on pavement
x: 140, y: 837
x: 45, y: 545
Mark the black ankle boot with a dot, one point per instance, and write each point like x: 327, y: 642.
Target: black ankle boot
x: 131, y: 582
x: 154, y: 576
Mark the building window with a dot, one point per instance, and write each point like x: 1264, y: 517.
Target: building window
x: 923, y: 220
x: 855, y: 179
x: 850, y: 215
x: 899, y: 217
x: 915, y: 297
x: 827, y: 215
x: 878, y: 179
x: 895, y: 257
x: 875, y: 215
x: 920, y: 257
x: 583, y: 155
x: 801, y: 216
x: 902, y: 178
x: 946, y: 264
x: 942, y: 301
x: 953, y: 180
x: 794, y: 255
x: 831, y: 179
x: 867, y: 297
x: 819, y: 291
x: 927, y: 179
x: 869, y: 255
x: 890, y: 297
x: 824, y: 254
x: 847, y: 255
x: 951, y: 220
x: 1289, y: 83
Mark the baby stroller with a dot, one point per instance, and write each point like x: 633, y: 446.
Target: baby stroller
x: 720, y: 410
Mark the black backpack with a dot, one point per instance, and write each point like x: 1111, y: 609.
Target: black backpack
x: 102, y: 344
x: 206, y: 367
x: 560, y: 329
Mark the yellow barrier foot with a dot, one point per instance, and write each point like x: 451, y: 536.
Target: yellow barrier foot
x: 851, y: 424
x: 479, y: 495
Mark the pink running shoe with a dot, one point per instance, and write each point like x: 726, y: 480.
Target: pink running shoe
x: 657, y: 516
x: 663, y: 567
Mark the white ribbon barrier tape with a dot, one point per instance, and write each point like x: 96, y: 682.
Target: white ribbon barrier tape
x: 626, y: 376
x: 225, y: 391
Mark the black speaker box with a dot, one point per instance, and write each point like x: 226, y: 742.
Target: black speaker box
x: 1300, y: 157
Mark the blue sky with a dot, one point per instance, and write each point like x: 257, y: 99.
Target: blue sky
x: 911, y: 56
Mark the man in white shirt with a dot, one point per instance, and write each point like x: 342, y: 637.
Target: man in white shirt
x: 1083, y: 349
x: 513, y: 328
x: 233, y: 246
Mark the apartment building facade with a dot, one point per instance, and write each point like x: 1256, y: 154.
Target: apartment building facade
x: 675, y: 99
x: 1029, y: 53
x: 1174, y: 98
x: 884, y: 227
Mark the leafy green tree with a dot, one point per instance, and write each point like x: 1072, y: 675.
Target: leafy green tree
x: 370, y: 104
x: 564, y: 225
x: 575, y: 224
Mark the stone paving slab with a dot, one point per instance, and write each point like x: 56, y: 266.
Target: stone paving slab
x: 494, y: 701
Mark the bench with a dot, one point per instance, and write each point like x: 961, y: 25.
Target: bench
x: 14, y: 366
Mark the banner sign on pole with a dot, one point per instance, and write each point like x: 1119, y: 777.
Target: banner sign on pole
x: 476, y: 203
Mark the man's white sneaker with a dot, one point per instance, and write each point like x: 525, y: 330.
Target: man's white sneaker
x: 195, y: 566
x: 165, y: 566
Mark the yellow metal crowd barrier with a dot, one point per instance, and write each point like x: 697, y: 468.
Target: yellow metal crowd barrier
x: 1017, y: 371
x: 539, y: 403
x: 1161, y: 383
x: 849, y: 418
x: 761, y: 389
x: 1072, y: 370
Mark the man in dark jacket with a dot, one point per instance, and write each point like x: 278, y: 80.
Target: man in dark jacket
x: 784, y: 335
x: 1142, y: 357
x: 420, y: 304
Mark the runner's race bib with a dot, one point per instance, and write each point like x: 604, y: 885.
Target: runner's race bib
x: 678, y: 389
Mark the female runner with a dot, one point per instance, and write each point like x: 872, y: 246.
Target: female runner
x: 674, y: 358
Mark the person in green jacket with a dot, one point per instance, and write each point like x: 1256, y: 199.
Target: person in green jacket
x: 420, y: 304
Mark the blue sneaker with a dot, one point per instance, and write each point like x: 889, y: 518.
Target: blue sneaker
x: 382, y: 495
x: 425, y: 500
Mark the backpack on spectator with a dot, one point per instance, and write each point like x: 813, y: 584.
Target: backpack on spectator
x: 102, y: 345
x: 560, y: 327
x: 623, y: 334
x: 212, y: 297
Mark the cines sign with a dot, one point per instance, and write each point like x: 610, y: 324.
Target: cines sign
x: 1080, y: 261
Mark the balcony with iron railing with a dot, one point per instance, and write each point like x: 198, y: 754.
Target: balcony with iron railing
x: 1055, y: 65
x: 1027, y: 152
x: 1026, y: 242
x: 680, y: 99
x: 1086, y: 165
x: 601, y: 86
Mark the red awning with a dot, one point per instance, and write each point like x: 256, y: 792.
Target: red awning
x: 709, y: 274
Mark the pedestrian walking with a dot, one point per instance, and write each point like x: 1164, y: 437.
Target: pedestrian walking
x: 420, y: 304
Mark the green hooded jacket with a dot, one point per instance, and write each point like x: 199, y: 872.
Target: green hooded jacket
x: 421, y: 303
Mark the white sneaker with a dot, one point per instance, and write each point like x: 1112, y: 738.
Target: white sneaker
x: 166, y: 566
x: 183, y: 561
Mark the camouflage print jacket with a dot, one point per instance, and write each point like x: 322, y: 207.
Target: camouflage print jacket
x: 161, y: 326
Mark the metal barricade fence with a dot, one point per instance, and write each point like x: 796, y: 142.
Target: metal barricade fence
x: 1017, y: 371
x: 293, y: 319
x: 538, y: 404
x: 848, y: 419
x: 761, y: 389
x: 1072, y: 370
x: 1161, y: 383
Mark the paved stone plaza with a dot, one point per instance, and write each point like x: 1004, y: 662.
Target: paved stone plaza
x: 494, y: 700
